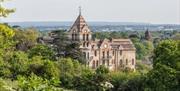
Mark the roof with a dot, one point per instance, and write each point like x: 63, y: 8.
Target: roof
x: 80, y: 23
x: 125, y: 44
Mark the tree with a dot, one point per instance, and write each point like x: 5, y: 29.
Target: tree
x: 167, y: 53
x: 42, y: 50
x: 165, y: 73
x: 35, y: 83
x: 140, y: 50
x: 61, y: 41
x: 73, y: 51
x: 19, y: 64
x: 6, y: 33
x: 4, y: 12
x: 25, y: 39
x: 69, y: 69
x: 162, y: 78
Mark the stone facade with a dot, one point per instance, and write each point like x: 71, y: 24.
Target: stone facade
x: 113, y: 53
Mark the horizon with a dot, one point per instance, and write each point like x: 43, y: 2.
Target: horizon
x: 167, y: 12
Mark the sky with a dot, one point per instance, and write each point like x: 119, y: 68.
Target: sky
x: 149, y: 11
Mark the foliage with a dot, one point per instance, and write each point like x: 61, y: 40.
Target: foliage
x: 44, y: 68
x: 140, y: 50
x: 127, y: 81
x: 170, y: 48
x: 165, y: 73
x: 6, y: 33
x: 4, y: 12
x: 25, y: 39
x: 42, y: 50
x: 162, y: 78
x: 69, y: 69
x: 35, y: 83
x: 19, y: 64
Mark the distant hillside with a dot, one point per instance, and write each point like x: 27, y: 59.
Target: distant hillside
x: 99, y: 26
x: 30, y: 24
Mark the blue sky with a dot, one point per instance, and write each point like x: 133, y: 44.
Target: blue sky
x: 152, y: 11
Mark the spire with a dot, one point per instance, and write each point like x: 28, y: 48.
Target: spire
x: 79, y: 10
x: 80, y: 22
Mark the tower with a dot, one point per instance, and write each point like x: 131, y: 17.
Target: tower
x: 148, y: 35
x: 80, y: 33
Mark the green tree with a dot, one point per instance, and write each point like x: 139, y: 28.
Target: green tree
x: 4, y: 12
x: 42, y: 50
x: 167, y: 53
x: 69, y: 68
x: 35, y: 83
x: 18, y: 63
x: 162, y: 78
x: 25, y: 39
x: 165, y: 73
x: 140, y: 50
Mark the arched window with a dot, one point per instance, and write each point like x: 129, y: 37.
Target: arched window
x: 120, y: 52
x: 72, y: 36
x: 83, y: 37
x: 87, y: 37
x: 95, y: 53
x: 107, y: 53
x: 113, y: 52
x: 84, y: 44
x: 94, y: 64
x: 77, y: 37
x: 126, y: 61
x: 104, y: 62
x: 108, y: 62
x: 88, y: 55
x: 103, y: 54
x: 87, y: 44
x: 84, y: 54
x: 97, y: 63
x: 121, y: 62
x: 132, y: 61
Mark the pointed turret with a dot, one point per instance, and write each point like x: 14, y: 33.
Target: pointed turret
x: 148, y: 35
x: 80, y: 22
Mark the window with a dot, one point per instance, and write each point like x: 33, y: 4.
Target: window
x: 84, y: 44
x: 83, y: 37
x: 97, y: 63
x: 103, y: 54
x: 88, y: 55
x: 72, y: 36
x: 107, y: 53
x: 75, y: 37
x: 108, y: 62
x: 87, y: 44
x: 113, y: 53
x: 120, y: 52
x: 95, y: 53
x: 84, y: 54
x: 126, y: 61
x: 103, y: 62
x: 120, y: 62
x: 87, y: 37
x: 94, y: 64
x: 132, y: 61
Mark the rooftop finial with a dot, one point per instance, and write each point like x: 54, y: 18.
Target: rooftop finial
x: 79, y: 10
